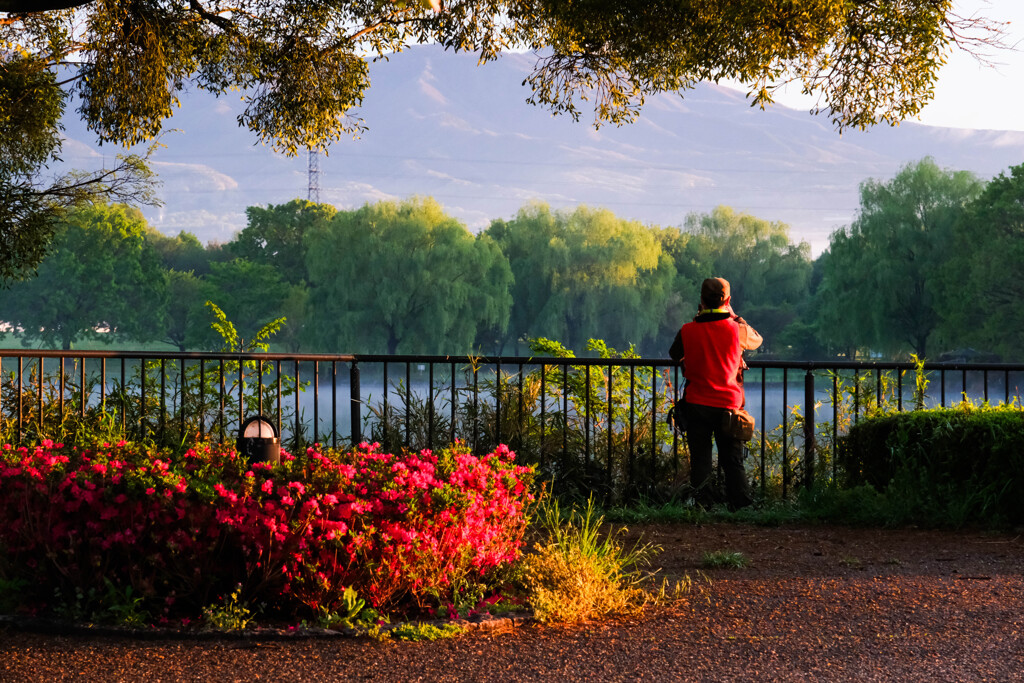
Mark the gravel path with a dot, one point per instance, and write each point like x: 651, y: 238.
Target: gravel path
x: 815, y: 604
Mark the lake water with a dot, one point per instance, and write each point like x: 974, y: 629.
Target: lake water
x: 327, y: 402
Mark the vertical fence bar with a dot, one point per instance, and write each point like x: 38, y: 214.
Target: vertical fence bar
x: 103, y: 384
x: 764, y: 431
x: 259, y: 388
x: 297, y: 436
x: 315, y: 401
x: 40, y: 397
x: 543, y: 410
x: 519, y: 415
x: 142, y: 397
x: 785, y: 432
x: 181, y: 400
x: 334, y: 401
x: 408, y: 400
x: 586, y: 418
x: 430, y: 407
x: 451, y: 426
x: 675, y: 432
x: 654, y: 425
x: 899, y: 388
x: 856, y: 396
x: 81, y: 386
x: 611, y: 417
x: 984, y: 378
x: 385, y: 431
x: 632, y: 422
x: 21, y: 399
x: 163, y: 397
x: 280, y: 393
x: 221, y: 389
x: 497, y: 404
x: 878, y: 388
x: 124, y: 394
x: 809, y: 444
x: 476, y: 408
x: 565, y: 413
x: 942, y: 385
x: 241, y: 392
x: 1006, y: 386
x: 202, y: 397
x: 963, y: 384
x: 61, y: 389
x: 353, y: 381
x: 835, y: 422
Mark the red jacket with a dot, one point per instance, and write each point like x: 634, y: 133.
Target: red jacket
x: 712, y: 360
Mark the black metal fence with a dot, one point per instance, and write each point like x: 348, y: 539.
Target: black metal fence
x: 588, y: 423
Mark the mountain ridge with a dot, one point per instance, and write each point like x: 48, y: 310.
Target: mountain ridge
x: 443, y: 126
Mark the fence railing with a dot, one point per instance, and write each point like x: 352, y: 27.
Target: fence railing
x: 590, y: 424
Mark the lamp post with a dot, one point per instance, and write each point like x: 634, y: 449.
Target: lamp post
x: 258, y: 441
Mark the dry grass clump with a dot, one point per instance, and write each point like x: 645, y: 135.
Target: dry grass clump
x: 577, y: 572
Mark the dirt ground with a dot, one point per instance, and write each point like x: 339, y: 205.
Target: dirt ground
x: 815, y: 603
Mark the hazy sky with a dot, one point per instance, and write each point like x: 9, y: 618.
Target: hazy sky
x: 973, y: 95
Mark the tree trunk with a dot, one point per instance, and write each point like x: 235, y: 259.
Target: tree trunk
x: 392, y: 342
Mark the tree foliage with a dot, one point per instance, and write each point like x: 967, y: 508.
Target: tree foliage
x: 302, y: 69
x: 101, y: 282
x: 303, y: 66
x: 403, y: 277
x: 768, y: 273
x: 31, y: 105
x: 248, y: 293
x: 883, y: 279
x: 583, y: 274
x: 184, y: 252
x: 274, y: 236
x: 982, y: 286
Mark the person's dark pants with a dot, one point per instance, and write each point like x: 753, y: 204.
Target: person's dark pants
x: 703, y: 423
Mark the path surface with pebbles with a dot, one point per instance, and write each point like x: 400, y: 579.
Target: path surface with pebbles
x: 813, y: 604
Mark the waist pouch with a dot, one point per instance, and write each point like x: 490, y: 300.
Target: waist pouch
x: 739, y: 424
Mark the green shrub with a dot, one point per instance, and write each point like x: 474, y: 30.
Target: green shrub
x: 946, y: 466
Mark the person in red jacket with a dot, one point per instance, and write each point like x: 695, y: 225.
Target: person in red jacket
x: 711, y: 351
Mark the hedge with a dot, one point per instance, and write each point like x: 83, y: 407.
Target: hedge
x: 946, y: 465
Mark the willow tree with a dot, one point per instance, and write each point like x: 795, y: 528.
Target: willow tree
x: 583, y: 274
x: 768, y: 272
x: 302, y: 67
x: 403, y: 278
x: 982, y: 284
x: 884, y: 281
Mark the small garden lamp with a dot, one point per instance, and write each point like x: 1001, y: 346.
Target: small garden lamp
x: 258, y: 441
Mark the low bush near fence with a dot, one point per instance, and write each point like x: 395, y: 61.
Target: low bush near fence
x: 148, y: 537
x: 946, y: 466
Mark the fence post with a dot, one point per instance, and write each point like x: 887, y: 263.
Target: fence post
x: 355, y: 401
x: 809, y: 444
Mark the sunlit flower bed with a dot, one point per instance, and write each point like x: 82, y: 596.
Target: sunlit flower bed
x: 120, y: 525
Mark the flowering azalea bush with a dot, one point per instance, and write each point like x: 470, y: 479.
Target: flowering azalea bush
x: 175, y: 533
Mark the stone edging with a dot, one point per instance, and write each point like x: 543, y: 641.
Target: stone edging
x: 479, y: 622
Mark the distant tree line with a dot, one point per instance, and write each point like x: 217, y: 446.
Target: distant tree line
x: 930, y: 264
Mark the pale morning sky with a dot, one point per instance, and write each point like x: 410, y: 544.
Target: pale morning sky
x: 973, y: 95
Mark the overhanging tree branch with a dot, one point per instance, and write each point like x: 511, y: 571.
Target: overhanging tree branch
x: 32, y: 6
